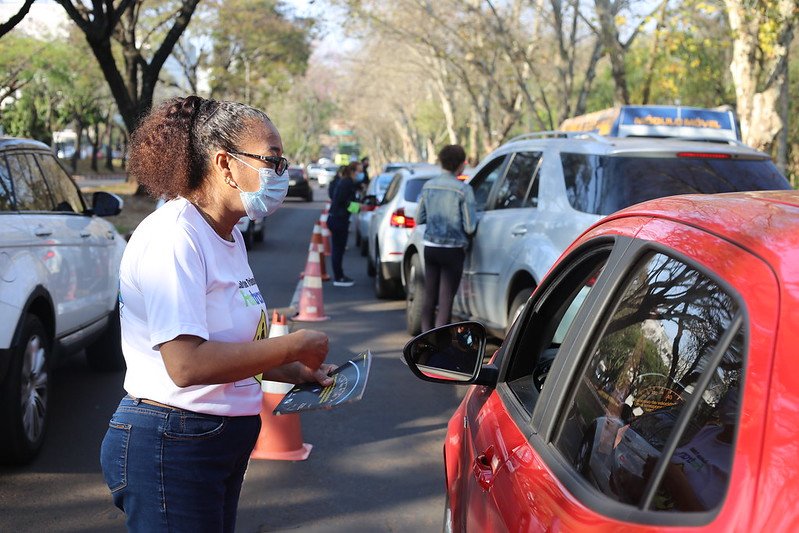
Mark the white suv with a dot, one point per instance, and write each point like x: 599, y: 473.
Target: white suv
x: 538, y: 192
x: 59, y: 280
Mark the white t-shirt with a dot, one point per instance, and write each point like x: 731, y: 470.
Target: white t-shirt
x: 179, y: 277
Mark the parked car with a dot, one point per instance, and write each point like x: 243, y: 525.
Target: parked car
x: 390, y: 225
x: 326, y: 175
x: 375, y: 192
x: 299, y: 186
x: 59, y: 280
x: 648, y: 384
x: 538, y: 192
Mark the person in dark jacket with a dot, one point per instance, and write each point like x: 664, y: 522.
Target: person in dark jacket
x: 331, y: 189
x: 338, y: 222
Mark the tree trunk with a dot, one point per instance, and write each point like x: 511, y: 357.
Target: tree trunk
x: 76, y: 155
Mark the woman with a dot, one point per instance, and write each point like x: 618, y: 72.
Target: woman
x: 193, y: 321
x: 447, y: 206
x: 338, y: 222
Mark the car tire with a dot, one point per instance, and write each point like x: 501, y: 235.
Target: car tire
x: 364, y: 247
x: 516, y: 306
x: 370, y: 266
x: 105, y: 354
x: 249, y: 235
x: 413, y: 296
x: 25, y: 393
x: 384, y: 288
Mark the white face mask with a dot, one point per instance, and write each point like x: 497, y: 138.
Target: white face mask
x: 269, y: 197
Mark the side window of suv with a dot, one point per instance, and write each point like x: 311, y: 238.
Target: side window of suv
x: 6, y: 189
x: 483, y: 181
x: 521, y: 178
x: 393, y: 188
x: 29, y: 186
x: 65, y: 192
x: 656, y: 402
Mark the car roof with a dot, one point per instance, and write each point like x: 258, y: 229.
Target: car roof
x: 597, y: 144
x: 15, y: 142
x: 766, y: 223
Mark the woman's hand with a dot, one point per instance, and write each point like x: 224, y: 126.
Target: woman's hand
x: 311, y: 347
x: 300, y: 373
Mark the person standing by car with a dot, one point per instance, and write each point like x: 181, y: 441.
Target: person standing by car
x: 194, y: 323
x: 331, y: 189
x: 338, y: 222
x: 447, y: 206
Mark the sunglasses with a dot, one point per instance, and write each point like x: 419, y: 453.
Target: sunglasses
x: 280, y: 163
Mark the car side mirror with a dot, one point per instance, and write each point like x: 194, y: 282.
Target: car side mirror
x: 448, y: 354
x: 106, y: 204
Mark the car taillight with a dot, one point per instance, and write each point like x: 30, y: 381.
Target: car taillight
x: 399, y: 220
x: 463, y: 177
x: 703, y: 155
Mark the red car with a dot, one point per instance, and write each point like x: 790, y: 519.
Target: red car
x: 650, y: 382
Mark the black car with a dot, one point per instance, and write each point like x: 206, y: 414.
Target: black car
x: 299, y: 186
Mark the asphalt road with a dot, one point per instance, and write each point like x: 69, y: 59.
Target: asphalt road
x: 376, y: 465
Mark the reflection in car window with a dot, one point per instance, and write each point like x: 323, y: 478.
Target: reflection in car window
x: 653, y: 351
x: 6, y: 196
x: 65, y: 193
x: 520, y: 175
x: 544, y: 330
x: 29, y: 187
x: 484, y: 181
x: 602, y: 184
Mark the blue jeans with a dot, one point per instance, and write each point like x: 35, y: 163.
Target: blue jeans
x: 339, y: 232
x: 174, y: 470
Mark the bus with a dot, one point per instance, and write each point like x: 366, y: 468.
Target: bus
x: 658, y: 121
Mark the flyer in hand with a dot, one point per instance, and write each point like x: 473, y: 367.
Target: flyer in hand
x: 349, y: 383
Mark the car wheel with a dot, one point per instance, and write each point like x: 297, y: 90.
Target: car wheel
x: 25, y: 393
x: 517, y: 306
x: 413, y: 297
x: 364, y: 247
x: 384, y: 287
x: 249, y: 236
x: 370, y: 266
x: 105, y: 354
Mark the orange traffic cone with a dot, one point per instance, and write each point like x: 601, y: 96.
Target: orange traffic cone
x: 325, y: 230
x: 320, y: 246
x: 311, y: 308
x: 280, y: 437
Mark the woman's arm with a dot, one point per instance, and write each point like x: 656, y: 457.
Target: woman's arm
x: 191, y: 360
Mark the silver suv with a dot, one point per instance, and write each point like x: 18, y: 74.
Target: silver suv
x: 538, y: 192
x: 59, y: 279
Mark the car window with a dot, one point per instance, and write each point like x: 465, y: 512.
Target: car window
x: 296, y: 174
x: 655, y: 356
x: 413, y: 188
x: 484, y: 180
x: 604, y: 184
x: 544, y: 328
x: 6, y: 189
x: 392, y: 189
x: 65, y: 193
x: 30, y: 188
x: 519, y: 180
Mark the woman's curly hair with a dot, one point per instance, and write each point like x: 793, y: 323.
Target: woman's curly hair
x: 171, y: 147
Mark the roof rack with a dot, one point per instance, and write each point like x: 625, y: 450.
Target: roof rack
x: 559, y: 134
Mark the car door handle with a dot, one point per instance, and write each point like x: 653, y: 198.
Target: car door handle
x: 41, y: 231
x: 483, y: 469
x: 519, y: 231
x: 85, y: 234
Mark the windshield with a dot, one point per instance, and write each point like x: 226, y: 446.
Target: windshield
x: 603, y: 184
